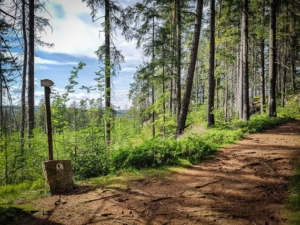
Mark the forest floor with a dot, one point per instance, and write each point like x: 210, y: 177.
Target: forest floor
x: 246, y: 183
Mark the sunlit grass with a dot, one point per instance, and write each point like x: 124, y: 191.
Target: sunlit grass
x: 18, y: 194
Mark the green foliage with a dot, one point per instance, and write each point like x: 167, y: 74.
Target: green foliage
x: 156, y: 153
x: 27, y: 190
x: 91, y: 163
x: 259, y: 123
x: 292, y: 107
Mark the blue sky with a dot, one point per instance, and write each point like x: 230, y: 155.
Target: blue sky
x: 76, y: 38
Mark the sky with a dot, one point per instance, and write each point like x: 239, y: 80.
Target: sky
x: 76, y: 37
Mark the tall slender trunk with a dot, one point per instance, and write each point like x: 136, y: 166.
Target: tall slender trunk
x: 163, y: 90
x: 262, y: 65
x: 283, y: 83
x: 1, y: 103
x: 272, y: 60
x: 31, y: 71
x: 23, y: 91
x: 294, y: 53
x: 226, y: 99
x: 240, y: 79
x: 244, y: 64
x: 262, y: 77
x: 178, y: 61
x: 211, y: 76
x: 153, y: 88
x: 107, y: 72
x: 191, y: 70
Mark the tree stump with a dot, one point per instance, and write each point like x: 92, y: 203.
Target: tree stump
x: 58, y: 175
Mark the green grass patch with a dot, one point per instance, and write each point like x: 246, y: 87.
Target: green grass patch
x: 9, y: 194
x: 129, y: 175
x: 15, y: 199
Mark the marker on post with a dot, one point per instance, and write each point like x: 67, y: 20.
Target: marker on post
x: 46, y: 83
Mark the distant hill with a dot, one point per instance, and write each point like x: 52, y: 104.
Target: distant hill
x: 120, y: 112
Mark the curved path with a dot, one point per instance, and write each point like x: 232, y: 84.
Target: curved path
x: 246, y: 183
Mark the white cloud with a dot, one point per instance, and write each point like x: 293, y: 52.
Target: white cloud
x: 71, y: 35
x: 128, y: 69
x: 39, y: 60
x: 39, y: 94
x: 42, y: 67
x: 81, y: 37
x: 119, y: 98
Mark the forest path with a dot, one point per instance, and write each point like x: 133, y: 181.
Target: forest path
x: 246, y: 183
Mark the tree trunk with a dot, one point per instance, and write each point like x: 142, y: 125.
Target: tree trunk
x: 31, y: 71
x: 226, y: 99
x: 262, y: 77
x: 272, y: 60
x: 240, y: 79
x: 163, y: 90
x: 153, y: 88
x: 1, y: 103
x: 262, y: 63
x: 283, y: 83
x: 211, y: 76
x: 107, y: 72
x: 294, y: 54
x: 178, y: 61
x: 191, y: 69
x: 23, y: 91
x: 244, y: 72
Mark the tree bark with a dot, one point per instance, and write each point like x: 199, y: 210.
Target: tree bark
x: 153, y: 87
x: 245, y: 62
x: 178, y: 61
x: 262, y: 77
x: 31, y: 71
x: 272, y: 60
x: 191, y: 69
x: 262, y: 64
x: 23, y: 91
x: 1, y: 102
x: 211, y: 76
x: 107, y: 71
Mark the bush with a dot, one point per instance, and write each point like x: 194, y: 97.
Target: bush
x: 157, y: 153
x: 91, y: 163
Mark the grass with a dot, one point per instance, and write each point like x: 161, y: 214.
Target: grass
x: 11, y: 194
x: 15, y: 199
x: 127, y: 176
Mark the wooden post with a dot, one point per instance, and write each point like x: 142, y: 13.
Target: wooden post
x: 47, y: 84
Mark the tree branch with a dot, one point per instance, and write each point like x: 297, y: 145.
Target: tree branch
x: 7, y: 14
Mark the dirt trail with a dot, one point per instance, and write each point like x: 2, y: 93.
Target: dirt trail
x: 247, y: 183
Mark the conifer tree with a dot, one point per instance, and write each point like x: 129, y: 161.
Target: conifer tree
x: 107, y: 53
x: 31, y: 70
x: 211, y: 77
x: 191, y: 69
x: 272, y: 59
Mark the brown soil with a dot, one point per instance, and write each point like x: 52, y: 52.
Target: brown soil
x: 246, y: 183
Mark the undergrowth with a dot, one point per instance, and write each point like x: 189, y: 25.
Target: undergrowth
x: 157, y: 153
